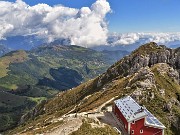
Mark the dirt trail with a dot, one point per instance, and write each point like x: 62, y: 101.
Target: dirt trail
x: 71, y: 125
x: 99, y: 109
x: 73, y: 121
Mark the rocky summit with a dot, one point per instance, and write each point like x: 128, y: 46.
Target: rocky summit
x: 149, y: 74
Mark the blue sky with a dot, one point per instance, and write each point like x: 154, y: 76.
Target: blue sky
x: 145, y: 15
x: 133, y: 15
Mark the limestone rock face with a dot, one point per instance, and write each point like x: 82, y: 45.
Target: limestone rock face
x: 144, y: 83
x: 174, y: 74
x: 168, y: 106
x: 172, y: 117
x: 154, y: 58
x: 147, y: 78
x: 165, y: 56
x: 162, y: 92
x: 170, y: 103
x: 170, y: 71
x: 150, y: 55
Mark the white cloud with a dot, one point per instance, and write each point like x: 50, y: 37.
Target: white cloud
x: 4, y: 29
x: 142, y: 38
x: 85, y: 26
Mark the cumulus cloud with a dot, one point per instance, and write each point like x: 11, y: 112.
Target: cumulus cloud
x: 141, y: 38
x: 86, y: 26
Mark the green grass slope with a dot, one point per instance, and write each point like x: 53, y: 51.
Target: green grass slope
x: 49, y: 66
x: 11, y: 107
x: 30, y: 77
x: 86, y: 129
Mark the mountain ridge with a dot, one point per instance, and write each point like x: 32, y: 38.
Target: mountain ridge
x: 150, y: 75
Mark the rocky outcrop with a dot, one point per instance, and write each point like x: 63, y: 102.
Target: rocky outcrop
x: 150, y: 55
x: 165, y: 55
x: 168, y: 106
x: 173, y: 118
x: 143, y: 79
x: 170, y: 71
x: 143, y: 83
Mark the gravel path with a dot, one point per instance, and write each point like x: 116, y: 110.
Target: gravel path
x: 68, y: 127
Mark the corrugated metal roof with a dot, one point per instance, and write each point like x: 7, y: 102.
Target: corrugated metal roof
x: 132, y: 111
x: 153, y: 121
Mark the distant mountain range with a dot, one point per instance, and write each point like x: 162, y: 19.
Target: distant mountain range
x: 149, y: 74
x: 4, y: 50
x: 126, y: 42
x: 21, y: 42
x: 174, y: 46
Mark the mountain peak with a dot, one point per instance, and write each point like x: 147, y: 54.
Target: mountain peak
x: 145, y: 56
x: 149, y: 48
